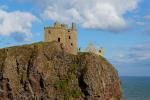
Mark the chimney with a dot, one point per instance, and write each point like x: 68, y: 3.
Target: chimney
x: 74, y: 26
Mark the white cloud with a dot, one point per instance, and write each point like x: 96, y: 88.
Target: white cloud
x: 140, y: 23
x: 16, y: 22
x: 95, y: 14
x: 140, y: 54
x: 147, y: 17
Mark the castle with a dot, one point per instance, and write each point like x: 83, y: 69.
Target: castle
x: 63, y: 34
x: 91, y: 48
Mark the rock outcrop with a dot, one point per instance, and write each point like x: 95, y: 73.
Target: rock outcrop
x: 44, y: 71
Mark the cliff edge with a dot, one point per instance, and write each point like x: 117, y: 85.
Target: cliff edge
x: 45, y: 71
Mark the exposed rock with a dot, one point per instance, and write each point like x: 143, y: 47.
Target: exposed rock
x: 44, y: 71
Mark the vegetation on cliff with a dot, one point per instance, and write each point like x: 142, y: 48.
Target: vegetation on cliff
x: 45, y: 71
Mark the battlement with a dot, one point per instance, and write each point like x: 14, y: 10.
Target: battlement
x: 57, y: 25
x: 63, y: 34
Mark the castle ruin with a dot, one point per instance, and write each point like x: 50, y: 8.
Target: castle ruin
x: 63, y: 34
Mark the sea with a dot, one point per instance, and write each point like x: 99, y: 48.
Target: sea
x: 136, y: 88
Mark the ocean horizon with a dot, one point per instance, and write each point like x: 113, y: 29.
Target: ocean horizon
x: 136, y: 87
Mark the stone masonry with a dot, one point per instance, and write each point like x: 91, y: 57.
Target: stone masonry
x: 61, y: 33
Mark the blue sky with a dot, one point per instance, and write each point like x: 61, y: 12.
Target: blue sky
x: 121, y: 27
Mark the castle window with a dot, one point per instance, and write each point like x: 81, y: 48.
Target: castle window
x: 69, y: 37
x: 49, y: 32
x: 100, y: 51
x: 71, y: 44
x: 58, y: 39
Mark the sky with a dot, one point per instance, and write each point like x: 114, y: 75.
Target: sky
x: 121, y: 27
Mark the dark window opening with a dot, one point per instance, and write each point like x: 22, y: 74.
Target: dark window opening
x: 71, y: 44
x: 58, y: 39
x: 49, y: 32
x: 100, y: 51
x: 69, y: 37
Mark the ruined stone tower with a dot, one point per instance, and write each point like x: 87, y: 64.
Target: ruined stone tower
x: 63, y: 34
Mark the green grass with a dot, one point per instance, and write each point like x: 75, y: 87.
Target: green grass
x: 24, y: 45
x: 62, y: 84
x: 103, y: 58
x: 84, y: 53
x: 37, y: 43
x: 75, y: 93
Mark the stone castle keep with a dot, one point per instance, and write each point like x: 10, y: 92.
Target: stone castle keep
x: 63, y: 34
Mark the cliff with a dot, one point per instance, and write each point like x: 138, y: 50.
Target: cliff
x: 45, y: 71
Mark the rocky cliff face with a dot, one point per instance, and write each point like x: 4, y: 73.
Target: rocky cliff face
x: 44, y: 71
